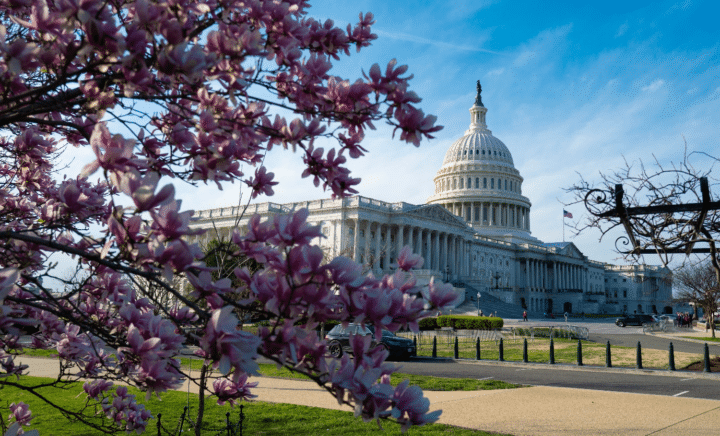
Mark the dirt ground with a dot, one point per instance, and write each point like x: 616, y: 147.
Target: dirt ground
x: 700, y: 365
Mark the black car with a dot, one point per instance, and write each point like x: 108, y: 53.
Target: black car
x: 634, y: 320
x: 339, y: 341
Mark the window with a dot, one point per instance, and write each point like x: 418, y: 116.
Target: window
x: 477, y: 182
x: 484, y: 182
x: 624, y: 293
x: 461, y: 183
x: 492, y: 183
x: 506, y: 184
x: 469, y: 184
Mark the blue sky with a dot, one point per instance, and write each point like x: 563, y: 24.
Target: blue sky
x: 570, y: 88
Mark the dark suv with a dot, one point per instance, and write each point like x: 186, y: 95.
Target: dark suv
x: 634, y: 320
x: 339, y: 341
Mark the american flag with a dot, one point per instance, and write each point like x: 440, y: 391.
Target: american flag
x: 566, y: 214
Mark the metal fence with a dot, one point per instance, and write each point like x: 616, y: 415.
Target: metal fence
x: 447, y: 337
x: 185, y: 425
x: 555, y: 331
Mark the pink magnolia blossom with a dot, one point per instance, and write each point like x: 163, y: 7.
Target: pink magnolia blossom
x: 164, y: 95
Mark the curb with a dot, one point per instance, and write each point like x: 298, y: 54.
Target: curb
x: 585, y: 368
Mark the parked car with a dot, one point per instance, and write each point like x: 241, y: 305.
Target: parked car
x: 665, y: 319
x: 633, y: 320
x: 339, y: 341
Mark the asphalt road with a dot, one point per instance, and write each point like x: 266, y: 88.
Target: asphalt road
x: 616, y: 380
x: 681, y: 383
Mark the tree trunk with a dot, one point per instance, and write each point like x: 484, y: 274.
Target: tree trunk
x: 201, y: 400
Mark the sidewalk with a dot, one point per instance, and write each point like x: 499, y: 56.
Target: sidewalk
x: 536, y: 411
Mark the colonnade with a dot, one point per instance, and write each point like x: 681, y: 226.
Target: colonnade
x: 492, y: 213
x: 381, y: 243
x: 538, y: 275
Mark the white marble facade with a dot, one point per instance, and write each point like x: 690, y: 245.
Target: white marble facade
x: 474, y: 232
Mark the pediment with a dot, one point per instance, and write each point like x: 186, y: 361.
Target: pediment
x: 436, y: 213
x: 571, y: 250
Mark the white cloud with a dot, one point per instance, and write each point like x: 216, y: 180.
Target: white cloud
x: 654, y: 86
x: 476, y: 47
x: 622, y: 29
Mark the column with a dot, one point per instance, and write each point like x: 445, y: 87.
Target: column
x: 527, y: 275
x: 555, y: 277
x: 388, y: 247
x: 453, y: 257
x: 411, y: 243
x: 401, y: 230
x: 376, y: 257
x: 436, y: 251
x: 428, y: 249
x: 443, y: 253
x: 367, y: 242
x: 356, y: 241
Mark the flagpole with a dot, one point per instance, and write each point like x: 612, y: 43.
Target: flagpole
x: 563, y: 224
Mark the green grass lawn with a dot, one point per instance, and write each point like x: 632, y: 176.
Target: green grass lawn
x: 260, y: 418
x: 708, y: 339
x: 565, y: 352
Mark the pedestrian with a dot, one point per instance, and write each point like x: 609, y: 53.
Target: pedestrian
x: 566, y: 316
x: 525, y: 315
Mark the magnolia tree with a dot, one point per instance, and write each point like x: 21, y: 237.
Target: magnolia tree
x: 188, y: 92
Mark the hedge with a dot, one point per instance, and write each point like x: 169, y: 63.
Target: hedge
x: 428, y: 323
x: 470, y: 322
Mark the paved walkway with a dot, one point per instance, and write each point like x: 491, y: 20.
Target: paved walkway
x: 524, y: 411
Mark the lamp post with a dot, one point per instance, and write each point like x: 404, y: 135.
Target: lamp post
x: 478, y: 303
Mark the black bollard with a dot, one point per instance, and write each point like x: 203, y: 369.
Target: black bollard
x: 501, y: 354
x: 525, y: 356
x: 552, y: 351
x: 477, y: 349
x: 579, y: 353
x: 415, y: 341
x: 707, y: 359
x: 638, y: 357
x: 671, y: 357
x: 434, y: 353
x: 159, y: 417
x: 457, y: 348
x: 608, y: 359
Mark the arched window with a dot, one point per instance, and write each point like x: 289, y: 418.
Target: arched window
x: 492, y: 183
x: 477, y: 182
x: 469, y: 184
x: 484, y: 182
x: 461, y: 183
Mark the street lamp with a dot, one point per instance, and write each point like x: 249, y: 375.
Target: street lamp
x: 478, y: 303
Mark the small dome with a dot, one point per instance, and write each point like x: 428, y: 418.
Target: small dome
x: 479, y: 145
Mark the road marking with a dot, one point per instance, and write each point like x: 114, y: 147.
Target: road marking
x: 681, y: 393
x: 485, y: 378
x: 686, y: 379
x: 522, y: 369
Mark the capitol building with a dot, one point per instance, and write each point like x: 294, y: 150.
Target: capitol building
x: 474, y: 232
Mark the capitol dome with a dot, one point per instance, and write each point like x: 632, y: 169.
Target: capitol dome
x: 479, y: 183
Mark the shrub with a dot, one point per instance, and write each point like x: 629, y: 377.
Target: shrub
x: 470, y: 322
x: 428, y: 323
